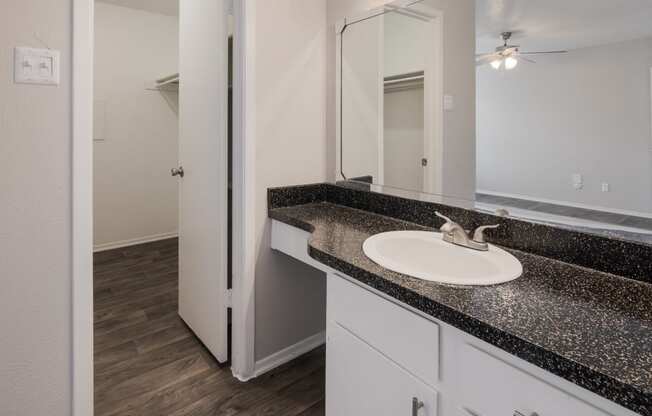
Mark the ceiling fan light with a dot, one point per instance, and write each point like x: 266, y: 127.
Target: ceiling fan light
x: 511, y: 63
x: 496, y: 64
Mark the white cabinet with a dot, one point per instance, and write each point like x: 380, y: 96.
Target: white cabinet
x: 405, y: 338
x: 495, y: 387
x: 361, y: 381
x: 381, y: 354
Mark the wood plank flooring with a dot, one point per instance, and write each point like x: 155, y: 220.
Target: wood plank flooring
x: 148, y: 363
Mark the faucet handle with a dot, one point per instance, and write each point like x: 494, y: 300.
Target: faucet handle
x: 449, y: 223
x: 437, y: 213
x: 478, y: 235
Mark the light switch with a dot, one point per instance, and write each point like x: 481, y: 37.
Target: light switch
x: 449, y: 103
x: 36, y: 66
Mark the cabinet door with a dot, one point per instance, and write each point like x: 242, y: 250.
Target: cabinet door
x: 362, y: 382
x: 494, y: 387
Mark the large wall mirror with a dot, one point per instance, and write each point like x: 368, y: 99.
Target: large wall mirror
x: 540, y: 108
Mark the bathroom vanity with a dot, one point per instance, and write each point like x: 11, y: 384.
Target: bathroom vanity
x: 555, y: 318
x: 560, y: 340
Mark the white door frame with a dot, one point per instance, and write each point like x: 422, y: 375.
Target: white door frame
x: 82, y: 200
x: 433, y: 128
x: 82, y: 207
x: 244, y: 185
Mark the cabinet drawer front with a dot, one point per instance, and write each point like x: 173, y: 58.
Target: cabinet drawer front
x: 494, y: 387
x: 406, y: 338
x: 362, y: 382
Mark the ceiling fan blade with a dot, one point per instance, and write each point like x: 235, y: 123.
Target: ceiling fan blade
x: 485, y: 59
x: 521, y: 58
x: 542, y: 52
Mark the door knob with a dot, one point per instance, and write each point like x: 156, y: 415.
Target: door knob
x: 177, y: 171
x: 416, y: 406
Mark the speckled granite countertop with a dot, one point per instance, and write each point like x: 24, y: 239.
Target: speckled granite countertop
x: 591, y: 328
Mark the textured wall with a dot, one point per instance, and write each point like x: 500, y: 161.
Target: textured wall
x: 35, y: 223
x: 290, y: 149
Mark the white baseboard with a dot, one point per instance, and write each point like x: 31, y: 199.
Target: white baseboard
x: 290, y: 353
x: 133, y: 242
x: 567, y: 203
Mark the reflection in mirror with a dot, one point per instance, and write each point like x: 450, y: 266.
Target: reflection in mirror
x: 542, y: 108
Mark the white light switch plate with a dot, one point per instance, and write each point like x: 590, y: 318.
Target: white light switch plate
x: 449, y: 103
x: 36, y: 66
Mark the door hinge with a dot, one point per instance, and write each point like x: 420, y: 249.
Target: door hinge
x: 229, y: 298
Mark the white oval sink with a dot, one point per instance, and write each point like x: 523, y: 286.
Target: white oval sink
x: 426, y: 256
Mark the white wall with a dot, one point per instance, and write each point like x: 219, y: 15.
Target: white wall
x: 336, y: 11
x: 362, y: 98
x: 135, y: 197
x: 290, y: 139
x: 585, y: 112
x: 35, y: 222
x: 459, y: 81
x: 404, y: 44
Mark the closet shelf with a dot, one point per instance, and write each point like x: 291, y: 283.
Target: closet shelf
x: 168, y: 83
x: 402, y: 82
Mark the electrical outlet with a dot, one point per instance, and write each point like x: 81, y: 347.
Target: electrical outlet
x: 605, y: 187
x: 578, y: 181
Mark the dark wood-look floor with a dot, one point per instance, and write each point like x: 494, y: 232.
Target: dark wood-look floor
x: 147, y: 362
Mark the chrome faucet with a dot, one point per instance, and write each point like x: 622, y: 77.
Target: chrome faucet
x: 456, y: 234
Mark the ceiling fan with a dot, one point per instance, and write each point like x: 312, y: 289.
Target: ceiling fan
x: 508, y: 56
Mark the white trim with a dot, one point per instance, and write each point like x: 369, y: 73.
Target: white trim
x: 133, y: 241
x: 434, y: 109
x: 340, y: 26
x: 290, y: 353
x: 567, y: 203
x: 381, y: 102
x: 244, y: 196
x: 650, y: 108
x: 376, y: 11
x: 82, y: 207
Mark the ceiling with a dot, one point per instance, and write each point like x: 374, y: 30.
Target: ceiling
x: 166, y: 7
x: 561, y: 24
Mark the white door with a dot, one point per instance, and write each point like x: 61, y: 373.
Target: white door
x: 203, y: 100
x: 404, y: 139
x: 361, y: 381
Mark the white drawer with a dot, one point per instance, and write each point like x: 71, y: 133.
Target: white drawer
x: 493, y: 387
x: 409, y: 340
